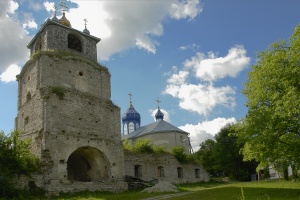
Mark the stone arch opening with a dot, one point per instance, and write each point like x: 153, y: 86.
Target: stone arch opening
x: 87, y: 164
x: 74, y: 43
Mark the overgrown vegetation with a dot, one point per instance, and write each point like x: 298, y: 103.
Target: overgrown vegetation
x: 59, y: 91
x: 15, y: 159
x: 144, y: 146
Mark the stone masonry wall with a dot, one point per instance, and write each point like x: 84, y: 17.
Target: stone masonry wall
x: 55, y: 38
x: 149, y: 166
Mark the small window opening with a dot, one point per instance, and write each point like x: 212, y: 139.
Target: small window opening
x: 74, y: 43
x: 160, y: 171
x: 80, y: 73
x: 28, y: 97
x: 26, y: 120
x: 180, y: 172
x: 28, y: 78
x: 137, y: 170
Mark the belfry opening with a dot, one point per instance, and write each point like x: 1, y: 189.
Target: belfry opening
x: 87, y: 164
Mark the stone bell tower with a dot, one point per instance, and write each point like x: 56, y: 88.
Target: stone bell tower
x: 65, y: 107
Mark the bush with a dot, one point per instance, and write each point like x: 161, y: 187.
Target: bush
x: 144, y: 146
x: 15, y: 159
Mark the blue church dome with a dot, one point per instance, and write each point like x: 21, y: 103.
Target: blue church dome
x: 131, y: 119
x: 159, y: 116
x: 131, y: 115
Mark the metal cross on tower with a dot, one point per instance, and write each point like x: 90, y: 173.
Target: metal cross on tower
x: 63, y: 6
x: 158, y: 101
x: 85, y: 22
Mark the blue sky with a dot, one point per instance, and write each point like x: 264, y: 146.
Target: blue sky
x: 194, y: 55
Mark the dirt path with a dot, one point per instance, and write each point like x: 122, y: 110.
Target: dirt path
x: 167, y: 196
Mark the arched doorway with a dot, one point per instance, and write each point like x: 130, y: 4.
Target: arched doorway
x: 87, y: 164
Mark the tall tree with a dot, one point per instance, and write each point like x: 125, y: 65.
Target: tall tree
x: 271, y: 128
x: 222, y: 156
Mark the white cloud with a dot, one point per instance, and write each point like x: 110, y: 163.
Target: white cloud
x: 49, y: 6
x: 202, y: 96
x: 185, y: 9
x: 30, y: 24
x: 193, y: 47
x: 211, y: 68
x: 205, y: 130
x: 178, y: 79
x: 13, y: 6
x: 10, y: 73
x: 122, y: 25
x: 166, y: 114
x: 13, y: 39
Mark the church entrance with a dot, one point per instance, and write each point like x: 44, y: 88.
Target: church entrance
x: 87, y: 164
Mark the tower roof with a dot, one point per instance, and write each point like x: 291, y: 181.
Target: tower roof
x: 155, y: 127
x: 159, y: 115
x: 64, y: 21
x: 131, y: 114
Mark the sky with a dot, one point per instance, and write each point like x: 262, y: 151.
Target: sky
x: 193, y: 55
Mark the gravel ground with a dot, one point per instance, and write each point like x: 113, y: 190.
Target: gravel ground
x: 161, y: 186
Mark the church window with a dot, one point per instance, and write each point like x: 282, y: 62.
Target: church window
x: 160, y: 171
x: 131, y: 127
x: 74, y: 43
x: 28, y: 97
x: 26, y: 120
x: 197, y: 173
x: 180, y: 172
x: 125, y: 129
x: 137, y: 170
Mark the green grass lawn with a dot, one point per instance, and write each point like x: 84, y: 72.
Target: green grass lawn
x: 261, y: 190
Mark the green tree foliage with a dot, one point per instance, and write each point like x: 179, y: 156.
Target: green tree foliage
x: 271, y: 128
x: 182, y: 157
x: 143, y: 146
x: 15, y: 159
x: 205, y: 155
x: 222, y: 156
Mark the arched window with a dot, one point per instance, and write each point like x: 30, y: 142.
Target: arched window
x: 130, y: 127
x: 74, y: 43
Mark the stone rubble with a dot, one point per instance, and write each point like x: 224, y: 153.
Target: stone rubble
x: 162, y: 186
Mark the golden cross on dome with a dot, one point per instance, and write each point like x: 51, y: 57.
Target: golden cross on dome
x: 63, y: 6
x: 158, y: 101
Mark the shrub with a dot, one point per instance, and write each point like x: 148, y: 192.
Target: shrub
x: 15, y: 159
x: 59, y: 91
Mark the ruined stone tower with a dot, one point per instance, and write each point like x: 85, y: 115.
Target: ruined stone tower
x: 64, y: 105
